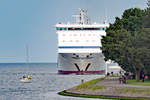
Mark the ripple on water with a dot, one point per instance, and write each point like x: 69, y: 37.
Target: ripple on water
x: 45, y: 83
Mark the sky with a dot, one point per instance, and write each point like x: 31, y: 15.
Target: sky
x: 32, y: 23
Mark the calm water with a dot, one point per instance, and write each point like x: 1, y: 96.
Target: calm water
x: 45, y: 82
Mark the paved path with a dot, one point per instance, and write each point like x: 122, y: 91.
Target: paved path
x: 114, y: 81
x: 114, y: 88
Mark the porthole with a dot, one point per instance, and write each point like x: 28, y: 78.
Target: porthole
x: 77, y: 40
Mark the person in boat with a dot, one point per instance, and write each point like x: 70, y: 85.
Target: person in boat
x: 24, y: 77
x: 29, y: 77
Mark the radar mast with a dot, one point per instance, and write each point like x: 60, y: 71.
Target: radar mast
x: 82, y: 17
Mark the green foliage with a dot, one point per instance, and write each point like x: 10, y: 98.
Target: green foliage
x: 127, y: 41
x: 147, y: 19
x: 132, y: 20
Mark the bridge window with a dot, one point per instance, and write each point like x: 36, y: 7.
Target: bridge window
x: 89, y: 34
x: 75, y: 34
x: 104, y: 28
x: 61, y: 28
x: 64, y: 28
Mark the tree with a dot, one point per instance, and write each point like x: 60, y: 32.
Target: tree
x: 127, y: 42
x: 136, y: 52
x: 147, y: 18
x: 148, y: 3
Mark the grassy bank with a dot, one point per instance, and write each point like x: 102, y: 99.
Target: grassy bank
x: 64, y: 93
x: 90, y: 85
x: 91, y: 89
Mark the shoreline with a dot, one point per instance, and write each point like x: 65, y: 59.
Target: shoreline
x: 65, y: 93
x: 107, y: 88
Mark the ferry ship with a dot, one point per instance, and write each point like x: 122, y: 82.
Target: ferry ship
x: 79, y: 46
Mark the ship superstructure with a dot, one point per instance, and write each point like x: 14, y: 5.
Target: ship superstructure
x: 79, y: 46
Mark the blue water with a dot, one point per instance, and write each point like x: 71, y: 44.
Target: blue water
x: 45, y: 82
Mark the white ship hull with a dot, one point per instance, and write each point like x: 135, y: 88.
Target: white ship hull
x: 81, y: 63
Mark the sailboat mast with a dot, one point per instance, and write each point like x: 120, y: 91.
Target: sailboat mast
x: 27, y: 58
x: 27, y: 54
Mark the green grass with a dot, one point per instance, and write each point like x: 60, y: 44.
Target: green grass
x: 133, y: 82
x: 90, y: 85
x: 99, y: 97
